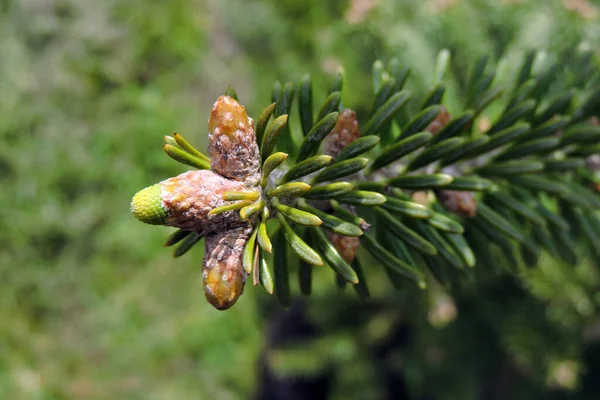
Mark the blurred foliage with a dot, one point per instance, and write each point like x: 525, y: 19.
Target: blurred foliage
x: 92, y: 308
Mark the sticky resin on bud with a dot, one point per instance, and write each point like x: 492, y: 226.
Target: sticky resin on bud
x: 185, y: 202
x: 345, y: 132
x: 232, y: 142
x: 222, y: 269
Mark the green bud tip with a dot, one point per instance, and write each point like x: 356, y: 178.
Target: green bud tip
x: 147, y: 206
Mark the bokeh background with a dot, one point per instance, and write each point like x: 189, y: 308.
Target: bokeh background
x: 92, y: 306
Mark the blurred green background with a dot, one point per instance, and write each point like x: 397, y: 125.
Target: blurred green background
x: 91, y: 305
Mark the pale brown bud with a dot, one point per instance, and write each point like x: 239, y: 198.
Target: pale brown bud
x: 222, y: 270
x: 459, y: 202
x: 420, y: 197
x: 232, y: 142
x: 484, y: 124
x: 189, y: 197
x: 439, y: 122
x: 345, y: 132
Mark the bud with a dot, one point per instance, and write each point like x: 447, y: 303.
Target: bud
x: 439, y: 122
x: 459, y: 202
x: 223, y: 272
x: 232, y: 142
x: 345, y: 245
x: 345, y: 132
x: 186, y: 200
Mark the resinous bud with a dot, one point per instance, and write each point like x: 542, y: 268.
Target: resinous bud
x: 185, y: 201
x: 222, y: 268
x: 232, y: 141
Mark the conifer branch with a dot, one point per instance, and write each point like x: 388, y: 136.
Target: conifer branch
x: 437, y: 185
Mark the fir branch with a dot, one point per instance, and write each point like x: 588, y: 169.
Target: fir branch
x: 526, y: 171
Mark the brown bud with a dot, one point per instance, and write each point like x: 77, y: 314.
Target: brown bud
x: 345, y: 245
x: 232, y: 142
x: 459, y: 202
x: 439, y: 122
x: 189, y: 197
x: 345, y: 132
x: 222, y: 270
